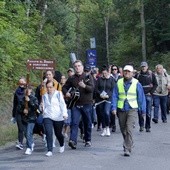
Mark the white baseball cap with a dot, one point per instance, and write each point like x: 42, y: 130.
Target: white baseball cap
x: 129, y: 68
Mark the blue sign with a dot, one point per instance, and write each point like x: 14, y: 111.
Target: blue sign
x: 91, y: 57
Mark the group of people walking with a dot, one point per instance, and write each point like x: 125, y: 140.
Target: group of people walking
x: 91, y: 98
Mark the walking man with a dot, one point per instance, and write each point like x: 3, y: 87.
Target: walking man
x: 83, y: 106
x: 128, y: 97
x: 149, y: 84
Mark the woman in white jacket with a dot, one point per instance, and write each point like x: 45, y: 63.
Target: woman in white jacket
x: 54, y: 113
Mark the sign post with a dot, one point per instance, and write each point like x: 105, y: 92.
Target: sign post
x: 39, y: 64
x: 92, y: 42
x: 91, y: 57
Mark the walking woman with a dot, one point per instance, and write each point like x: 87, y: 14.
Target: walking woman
x: 28, y: 109
x: 105, y: 85
x: 54, y: 113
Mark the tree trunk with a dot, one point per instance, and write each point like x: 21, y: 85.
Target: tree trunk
x: 142, y: 14
x: 28, y: 8
x: 43, y: 16
x: 107, y: 38
x: 78, y: 42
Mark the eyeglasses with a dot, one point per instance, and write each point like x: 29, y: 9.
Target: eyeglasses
x: 114, y: 69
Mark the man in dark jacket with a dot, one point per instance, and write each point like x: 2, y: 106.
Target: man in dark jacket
x: 83, y: 106
x: 18, y: 96
x: 149, y: 84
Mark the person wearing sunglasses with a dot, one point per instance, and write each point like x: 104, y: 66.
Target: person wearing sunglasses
x: 116, y: 75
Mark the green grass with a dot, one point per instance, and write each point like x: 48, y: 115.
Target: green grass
x: 8, y: 133
x: 8, y: 130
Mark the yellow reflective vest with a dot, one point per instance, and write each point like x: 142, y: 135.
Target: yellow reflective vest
x: 131, y: 95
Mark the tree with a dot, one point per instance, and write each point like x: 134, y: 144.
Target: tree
x: 142, y: 14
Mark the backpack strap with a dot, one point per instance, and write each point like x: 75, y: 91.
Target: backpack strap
x: 58, y: 86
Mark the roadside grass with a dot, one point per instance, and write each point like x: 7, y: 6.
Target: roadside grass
x: 8, y: 130
x: 8, y: 134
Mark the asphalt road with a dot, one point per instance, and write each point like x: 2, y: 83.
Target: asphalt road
x: 151, y: 152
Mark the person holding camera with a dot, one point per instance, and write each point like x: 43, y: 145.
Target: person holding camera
x: 104, y: 90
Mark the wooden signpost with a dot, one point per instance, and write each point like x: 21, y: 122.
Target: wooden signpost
x: 39, y: 64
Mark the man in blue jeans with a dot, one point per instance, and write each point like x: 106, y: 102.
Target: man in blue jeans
x: 82, y: 106
x: 160, y: 94
x: 149, y: 84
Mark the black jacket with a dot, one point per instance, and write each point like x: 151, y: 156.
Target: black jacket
x: 148, y: 81
x: 105, y: 84
x: 32, y: 109
x: 18, y: 96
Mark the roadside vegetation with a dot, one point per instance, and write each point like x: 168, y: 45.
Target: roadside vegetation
x: 7, y: 128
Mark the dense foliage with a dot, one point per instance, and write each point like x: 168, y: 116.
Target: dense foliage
x: 51, y: 29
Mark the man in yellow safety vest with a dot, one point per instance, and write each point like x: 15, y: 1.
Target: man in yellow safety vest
x: 128, y: 97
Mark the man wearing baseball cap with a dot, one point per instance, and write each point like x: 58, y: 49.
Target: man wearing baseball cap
x: 149, y: 84
x: 128, y: 97
x: 70, y: 72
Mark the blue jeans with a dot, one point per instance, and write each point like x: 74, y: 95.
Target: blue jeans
x: 162, y: 102
x: 28, y: 130
x: 58, y: 126
x: 105, y: 113
x: 68, y: 120
x: 86, y: 112
x: 148, y: 113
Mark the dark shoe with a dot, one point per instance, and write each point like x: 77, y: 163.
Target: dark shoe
x: 155, y: 120
x: 19, y: 146
x: 164, y: 121
x: 99, y: 129
x: 95, y: 123
x: 72, y: 144
x: 148, y: 130
x: 141, y: 129
x: 114, y: 129
x: 88, y: 144
x: 82, y: 136
x: 126, y: 153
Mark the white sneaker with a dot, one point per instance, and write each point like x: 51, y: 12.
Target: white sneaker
x: 32, y: 146
x: 104, y: 132
x: 107, y: 131
x: 44, y: 138
x: 65, y: 135
x: 28, y: 151
x: 61, y: 149
x: 49, y: 153
x: 92, y: 126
